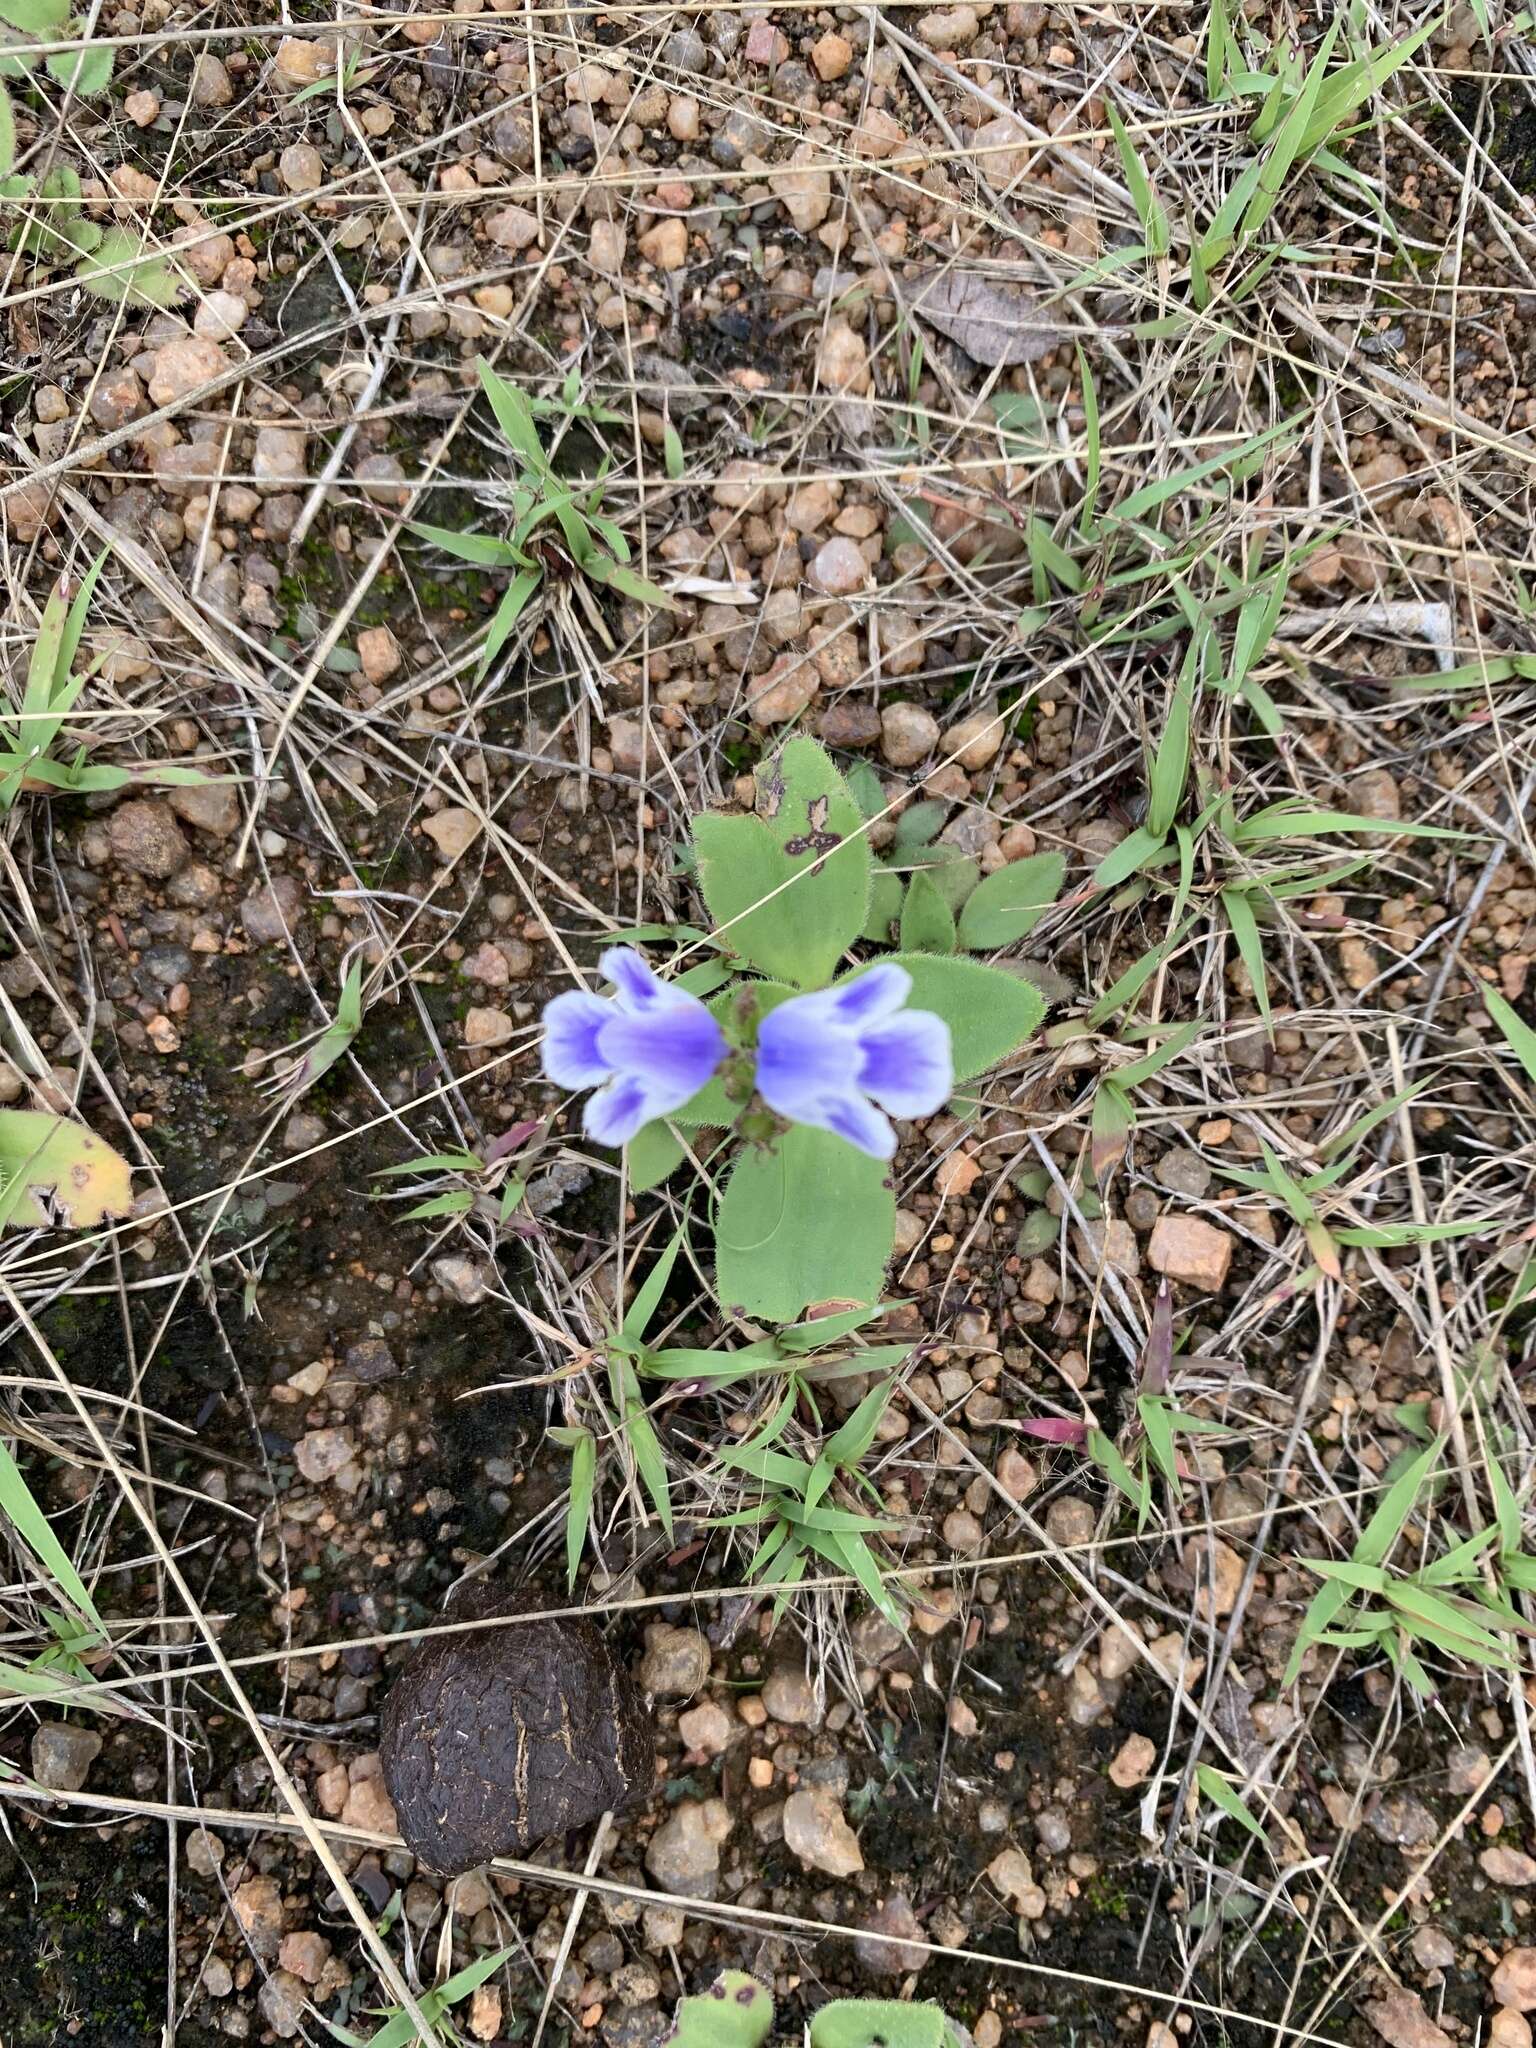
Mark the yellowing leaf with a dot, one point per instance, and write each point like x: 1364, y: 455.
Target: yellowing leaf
x: 53, y: 1171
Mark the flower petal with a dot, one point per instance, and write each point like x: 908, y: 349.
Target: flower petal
x: 672, y: 1049
x: 908, y: 1066
x: 855, y: 1118
x: 632, y: 976
x: 802, y: 1061
x: 879, y: 992
x: 571, y: 1026
x: 615, y: 1113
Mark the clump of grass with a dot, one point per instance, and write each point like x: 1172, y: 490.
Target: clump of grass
x: 34, y: 740
x: 793, y: 1481
x: 560, y: 534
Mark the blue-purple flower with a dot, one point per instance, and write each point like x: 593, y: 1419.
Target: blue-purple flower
x: 646, y: 1051
x: 827, y: 1059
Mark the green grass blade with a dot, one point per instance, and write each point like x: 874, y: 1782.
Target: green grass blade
x: 1122, y: 993
x: 1110, y: 1125
x: 636, y: 586
x: 1092, y: 445
x: 433, y: 1162
x: 1128, y: 858
x: 648, y: 1294
x: 1141, y: 1070
x: 1218, y: 41
x: 513, y: 416
x: 43, y: 668
x: 74, y: 625
x: 1149, y: 208
x: 852, y: 1555
x: 1170, y: 764
x: 1329, y: 1600
x: 1184, y: 839
x: 480, y: 548
x: 1355, y: 1133
x: 1220, y: 1793
x: 1244, y: 927
x: 1506, y: 1508
x: 1289, y: 142
x: 1518, y: 1035
x: 1348, y: 92
x: 1411, y: 1668
x: 513, y: 603
x: 1216, y: 243
x: 1157, y: 1427
x: 1106, y: 1454
x: 1360, y: 1578
x: 1458, y: 1565
x: 649, y: 1462
x: 457, y: 1202
x: 36, y: 1532
x: 1256, y: 623
x: 848, y: 1446
x: 578, y: 1515
x: 1290, y: 820
x: 1397, y: 1503
x: 1049, y: 558
x: 1150, y: 496
x: 1386, y: 1234
x: 1199, y: 277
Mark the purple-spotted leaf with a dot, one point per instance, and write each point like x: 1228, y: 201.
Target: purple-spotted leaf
x: 788, y: 889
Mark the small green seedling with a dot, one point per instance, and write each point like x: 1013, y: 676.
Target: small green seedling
x: 28, y: 737
x: 1299, y: 112
x: 1229, y: 1806
x: 787, y: 1503
x: 331, y: 1045
x: 587, y: 553
x: 1114, y: 1111
x: 735, y: 2012
x: 1445, y: 1607
x: 88, y: 68
x: 799, y: 1521
x: 399, y: 2029
x: 337, y: 83
x: 933, y: 897
x: 489, y: 1185
x: 1315, y: 1199
x: 1151, y: 1443
x: 32, y: 1528
x: 52, y: 224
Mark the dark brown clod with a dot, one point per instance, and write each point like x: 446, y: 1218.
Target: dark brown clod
x: 494, y: 1739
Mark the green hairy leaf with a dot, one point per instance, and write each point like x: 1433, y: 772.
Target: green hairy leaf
x: 812, y: 1219
x: 1007, y: 904
x: 789, y: 888
x: 990, y: 1012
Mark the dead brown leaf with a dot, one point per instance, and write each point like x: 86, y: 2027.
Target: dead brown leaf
x: 996, y: 323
